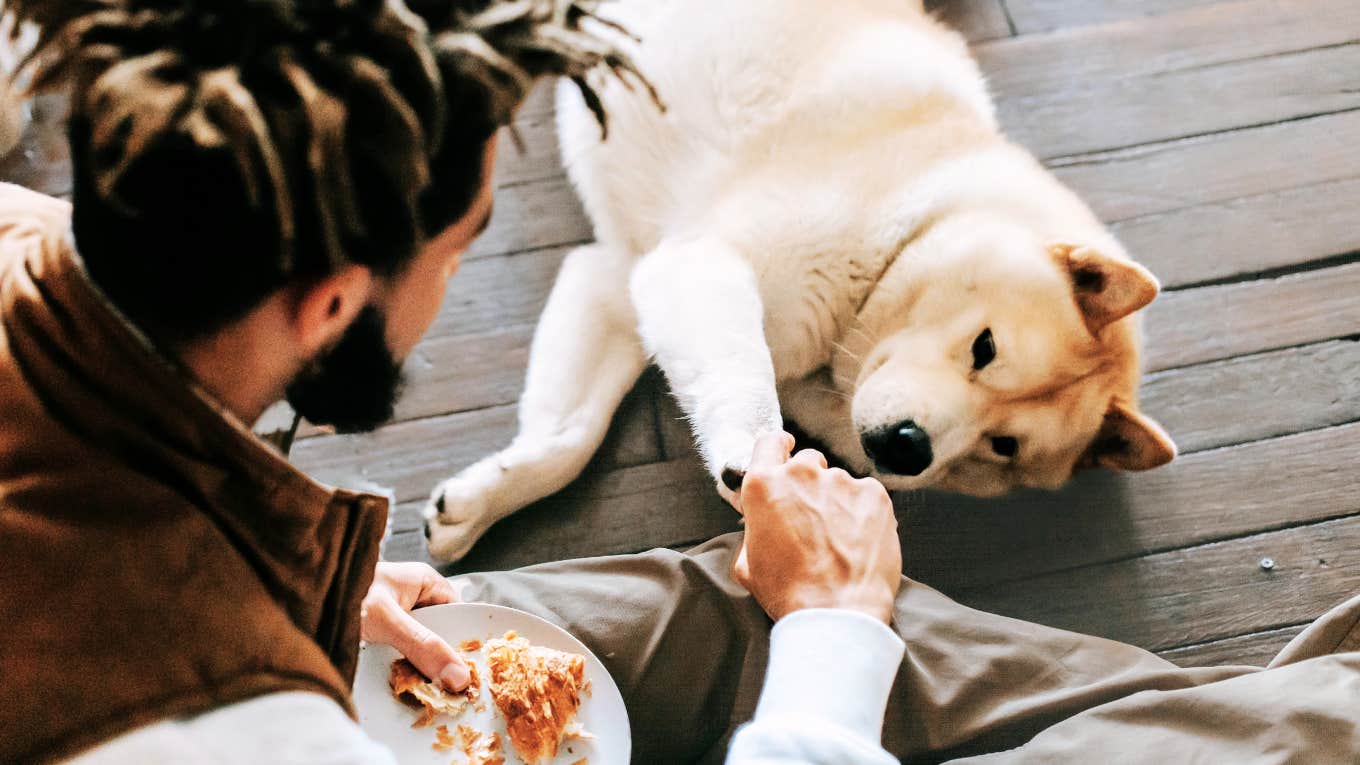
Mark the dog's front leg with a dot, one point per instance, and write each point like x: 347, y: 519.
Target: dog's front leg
x: 700, y: 315
x: 585, y: 357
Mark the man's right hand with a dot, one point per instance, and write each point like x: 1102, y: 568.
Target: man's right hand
x: 816, y: 537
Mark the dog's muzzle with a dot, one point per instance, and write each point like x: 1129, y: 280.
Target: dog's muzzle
x: 901, y: 449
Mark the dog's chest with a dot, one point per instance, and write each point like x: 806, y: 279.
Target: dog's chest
x: 809, y: 303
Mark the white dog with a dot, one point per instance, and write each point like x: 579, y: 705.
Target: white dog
x: 825, y: 224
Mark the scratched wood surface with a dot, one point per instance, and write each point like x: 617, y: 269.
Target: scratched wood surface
x: 1219, y: 138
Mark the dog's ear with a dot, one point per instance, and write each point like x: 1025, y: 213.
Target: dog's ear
x: 1128, y: 440
x: 1106, y: 288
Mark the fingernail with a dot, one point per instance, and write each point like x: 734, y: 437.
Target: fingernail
x: 455, y: 677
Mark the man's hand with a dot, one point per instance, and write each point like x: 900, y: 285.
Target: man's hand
x: 816, y: 538
x: 386, y: 618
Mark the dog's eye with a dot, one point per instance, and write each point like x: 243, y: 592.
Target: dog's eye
x: 1005, y: 446
x: 984, y: 349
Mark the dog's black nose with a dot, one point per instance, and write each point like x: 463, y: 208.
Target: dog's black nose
x: 903, y: 449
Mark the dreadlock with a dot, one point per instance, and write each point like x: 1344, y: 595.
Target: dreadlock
x: 222, y: 148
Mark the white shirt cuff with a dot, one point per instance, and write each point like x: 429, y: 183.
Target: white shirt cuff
x: 833, y: 665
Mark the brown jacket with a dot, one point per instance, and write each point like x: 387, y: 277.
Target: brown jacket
x: 156, y: 559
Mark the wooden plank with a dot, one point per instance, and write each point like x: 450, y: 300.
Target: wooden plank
x: 955, y: 542
x: 1034, y: 16
x: 1197, y: 594
x: 42, y: 161
x: 976, y: 20
x: 1260, y: 396
x: 1199, y: 171
x: 533, y: 216
x: 1220, y: 33
x: 1256, y: 649
x: 539, y: 158
x: 1210, y: 323
x: 626, y: 510
x: 1129, y: 110
x: 462, y: 372
x: 497, y: 293
x: 1249, y: 234
x: 412, y: 457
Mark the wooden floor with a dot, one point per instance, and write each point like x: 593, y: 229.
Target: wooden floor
x: 1221, y: 141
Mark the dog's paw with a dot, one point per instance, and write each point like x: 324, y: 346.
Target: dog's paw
x: 729, y: 486
x: 459, y: 512
x: 729, y: 457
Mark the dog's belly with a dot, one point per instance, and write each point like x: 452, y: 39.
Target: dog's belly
x: 750, y: 86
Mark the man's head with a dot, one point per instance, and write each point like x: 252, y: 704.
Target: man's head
x: 294, y: 179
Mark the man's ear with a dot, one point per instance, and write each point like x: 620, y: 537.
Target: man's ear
x: 1129, y: 441
x: 1106, y: 288
x: 324, y: 309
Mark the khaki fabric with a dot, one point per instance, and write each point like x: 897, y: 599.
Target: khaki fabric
x: 688, y: 648
x: 157, y: 559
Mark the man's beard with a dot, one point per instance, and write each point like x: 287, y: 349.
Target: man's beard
x: 355, y: 385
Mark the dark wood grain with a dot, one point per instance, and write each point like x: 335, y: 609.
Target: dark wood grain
x: 1176, y: 175
x: 1256, y: 649
x: 956, y: 543
x: 1255, y: 397
x: 412, y: 457
x: 1285, y: 228
x: 627, y: 510
x: 1033, y: 16
x: 1170, y: 76
x: 1210, y: 323
x: 1194, y: 595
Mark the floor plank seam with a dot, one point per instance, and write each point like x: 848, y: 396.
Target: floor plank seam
x: 555, y: 174
x: 1347, y: 337
x: 558, y: 175
x: 1161, y: 372
x: 1254, y: 632
x: 1010, y: 19
x: 1259, y: 439
x: 1134, y: 152
x: 1152, y: 552
x: 1316, y: 264
x: 1249, y: 59
x: 538, y: 248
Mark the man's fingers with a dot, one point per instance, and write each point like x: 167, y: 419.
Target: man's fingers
x: 427, y: 651
x: 436, y: 590
x: 741, y: 569
x: 812, y: 457
x: 772, y: 450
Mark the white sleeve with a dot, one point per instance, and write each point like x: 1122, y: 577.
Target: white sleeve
x: 293, y: 728
x: 825, y: 692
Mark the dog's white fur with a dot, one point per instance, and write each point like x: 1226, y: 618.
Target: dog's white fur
x: 825, y: 216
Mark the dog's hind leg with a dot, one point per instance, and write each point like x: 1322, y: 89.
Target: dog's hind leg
x: 584, y: 358
x: 700, y: 314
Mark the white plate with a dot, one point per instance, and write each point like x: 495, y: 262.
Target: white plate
x: 389, y: 721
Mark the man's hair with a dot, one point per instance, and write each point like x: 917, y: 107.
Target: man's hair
x: 222, y: 149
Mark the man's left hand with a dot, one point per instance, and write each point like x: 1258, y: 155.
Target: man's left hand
x: 386, y: 619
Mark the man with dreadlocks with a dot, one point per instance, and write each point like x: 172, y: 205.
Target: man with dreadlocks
x: 269, y: 198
